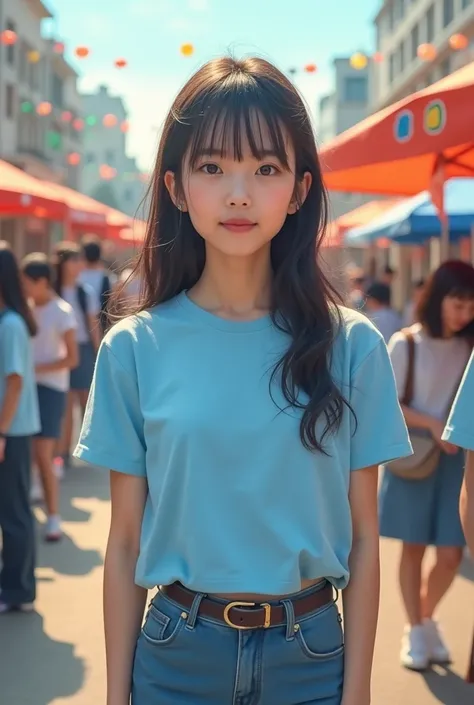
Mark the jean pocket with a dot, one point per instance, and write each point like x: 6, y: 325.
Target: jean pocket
x: 320, y: 636
x: 163, y: 624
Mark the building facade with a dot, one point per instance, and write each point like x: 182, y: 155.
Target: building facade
x: 401, y: 27
x: 108, y: 173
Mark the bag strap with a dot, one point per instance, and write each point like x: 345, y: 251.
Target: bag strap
x: 407, y: 398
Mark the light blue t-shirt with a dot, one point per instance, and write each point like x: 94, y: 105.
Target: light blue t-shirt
x: 235, y: 502
x: 16, y: 358
x: 460, y: 426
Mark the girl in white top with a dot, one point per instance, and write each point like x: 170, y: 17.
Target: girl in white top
x: 425, y: 512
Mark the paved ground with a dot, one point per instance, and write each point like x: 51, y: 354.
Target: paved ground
x: 55, y: 656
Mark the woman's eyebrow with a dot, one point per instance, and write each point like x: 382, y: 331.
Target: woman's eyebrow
x: 223, y: 154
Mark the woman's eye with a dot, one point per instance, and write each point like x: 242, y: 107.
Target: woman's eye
x: 210, y: 169
x: 267, y: 170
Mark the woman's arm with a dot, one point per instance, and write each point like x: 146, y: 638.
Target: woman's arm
x: 361, y: 597
x: 124, y: 601
x: 415, y: 419
x: 11, y: 399
x: 69, y: 361
x: 467, y: 502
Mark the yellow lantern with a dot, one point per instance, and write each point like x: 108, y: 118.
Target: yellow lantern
x: 187, y: 49
x: 358, y: 61
x: 33, y: 56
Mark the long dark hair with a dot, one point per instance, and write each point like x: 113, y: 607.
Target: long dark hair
x: 453, y: 278
x: 11, y: 288
x: 220, y: 105
x: 63, y: 252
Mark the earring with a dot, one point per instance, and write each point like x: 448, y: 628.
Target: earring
x: 179, y: 206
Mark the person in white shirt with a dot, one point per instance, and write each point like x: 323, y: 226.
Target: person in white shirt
x: 82, y: 299
x: 378, y: 309
x: 55, y: 354
x: 409, y: 314
x: 94, y: 274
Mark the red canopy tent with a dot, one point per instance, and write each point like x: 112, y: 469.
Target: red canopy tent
x: 84, y: 213
x: 23, y: 195
x: 401, y: 148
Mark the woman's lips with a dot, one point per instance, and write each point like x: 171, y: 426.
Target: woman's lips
x: 237, y: 225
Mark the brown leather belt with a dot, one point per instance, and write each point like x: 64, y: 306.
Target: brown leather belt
x: 249, y: 615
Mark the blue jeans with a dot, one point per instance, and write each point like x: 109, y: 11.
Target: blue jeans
x: 182, y: 657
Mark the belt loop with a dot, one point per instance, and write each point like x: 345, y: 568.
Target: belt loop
x: 290, y: 619
x: 193, y: 612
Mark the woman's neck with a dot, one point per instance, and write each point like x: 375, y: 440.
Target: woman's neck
x: 235, y: 287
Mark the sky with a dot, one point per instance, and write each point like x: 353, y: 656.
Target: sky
x: 149, y: 34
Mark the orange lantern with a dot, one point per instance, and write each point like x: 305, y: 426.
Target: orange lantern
x: 378, y: 57
x: 120, y: 63
x: 33, y: 56
x: 9, y: 37
x: 107, y: 172
x: 82, y: 52
x: 74, y: 158
x: 426, y: 52
x: 59, y: 48
x: 458, y: 42
x: 66, y: 116
x: 78, y: 124
x: 187, y: 49
x: 109, y: 120
x: 310, y: 68
x: 358, y: 61
x: 44, y: 108
x: 125, y: 126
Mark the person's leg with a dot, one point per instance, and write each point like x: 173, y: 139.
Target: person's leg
x: 83, y: 395
x: 17, y: 577
x: 409, y: 574
x: 440, y: 578
x: 44, y: 455
x: 64, y: 446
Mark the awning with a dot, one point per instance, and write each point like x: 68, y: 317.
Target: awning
x: 358, y: 217
x: 23, y: 195
x: 84, y: 212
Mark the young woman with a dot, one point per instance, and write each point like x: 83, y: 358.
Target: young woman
x: 82, y: 299
x: 55, y: 354
x: 425, y: 512
x: 19, y: 421
x: 243, y: 415
x: 460, y: 431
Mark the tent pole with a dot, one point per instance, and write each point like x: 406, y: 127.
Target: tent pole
x: 444, y: 244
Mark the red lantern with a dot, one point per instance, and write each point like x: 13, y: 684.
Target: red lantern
x: 378, y: 57
x: 125, y: 126
x: 310, y: 68
x: 107, y: 172
x: 44, y: 108
x: 9, y: 37
x: 109, y: 120
x: 458, y: 42
x: 74, y: 158
x: 78, y: 124
x: 120, y: 63
x: 426, y: 52
x: 82, y: 52
x: 66, y: 116
x: 59, y: 48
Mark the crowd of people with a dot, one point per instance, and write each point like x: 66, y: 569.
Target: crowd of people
x: 53, y: 314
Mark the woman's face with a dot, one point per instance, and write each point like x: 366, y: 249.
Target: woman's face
x: 239, y: 207
x: 456, y: 313
x: 72, y: 267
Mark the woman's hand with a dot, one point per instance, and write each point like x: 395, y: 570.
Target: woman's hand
x: 436, y: 429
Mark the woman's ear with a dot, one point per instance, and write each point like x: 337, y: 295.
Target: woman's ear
x: 302, y: 190
x: 170, y: 183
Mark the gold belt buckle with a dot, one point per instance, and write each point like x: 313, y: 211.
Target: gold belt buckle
x: 265, y: 605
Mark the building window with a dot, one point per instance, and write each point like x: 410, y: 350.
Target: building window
x: 430, y: 24
x: 90, y: 158
x: 11, y: 47
x: 10, y: 101
x: 446, y: 67
x: 401, y: 60
x: 448, y: 12
x: 110, y: 157
x: 391, y: 68
x: 415, y: 41
x: 466, y: 3
x: 355, y: 89
x: 57, y: 91
x: 128, y: 194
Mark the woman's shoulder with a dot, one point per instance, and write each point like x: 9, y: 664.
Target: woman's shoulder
x: 14, y: 322
x: 356, y: 336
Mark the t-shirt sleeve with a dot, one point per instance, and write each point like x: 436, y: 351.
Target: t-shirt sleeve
x: 379, y: 432
x: 112, y: 433
x: 66, y: 318
x: 13, y: 350
x: 398, y: 351
x: 460, y: 426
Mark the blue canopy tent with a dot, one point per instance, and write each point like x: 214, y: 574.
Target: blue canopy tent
x: 415, y: 220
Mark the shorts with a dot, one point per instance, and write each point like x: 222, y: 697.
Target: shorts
x: 52, y: 405
x: 81, y: 376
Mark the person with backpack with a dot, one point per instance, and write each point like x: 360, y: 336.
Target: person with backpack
x: 82, y: 299
x: 96, y: 275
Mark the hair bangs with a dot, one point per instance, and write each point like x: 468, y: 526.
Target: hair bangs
x: 235, y: 118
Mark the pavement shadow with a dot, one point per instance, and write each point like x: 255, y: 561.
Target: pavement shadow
x: 448, y: 687
x: 466, y: 569
x: 35, y: 669
x: 66, y: 558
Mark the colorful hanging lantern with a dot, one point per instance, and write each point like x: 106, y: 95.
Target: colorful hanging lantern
x: 91, y: 120
x: 377, y: 57
x: 120, y: 63
x: 187, y: 49
x: 74, y: 158
x: 310, y: 68
x: 27, y: 107
x: 109, y: 120
x: 82, y: 52
x: 125, y: 126
x: 8, y: 37
x: 458, y: 42
x: 44, y: 108
x: 107, y: 172
x: 78, y: 124
x: 33, y: 56
x: 59, y: 48
x: 358, y: 61
x: 66, y: 116
x: 426, y: 52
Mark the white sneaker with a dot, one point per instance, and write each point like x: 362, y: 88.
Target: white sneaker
x: 437, y: 649
x: 5, y: 607
x: 53, y: 529
x: 36, y: 490
x: 414, y: 653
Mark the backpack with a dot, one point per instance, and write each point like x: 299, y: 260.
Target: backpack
x: 105, y: 292
x: 82, y: 299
